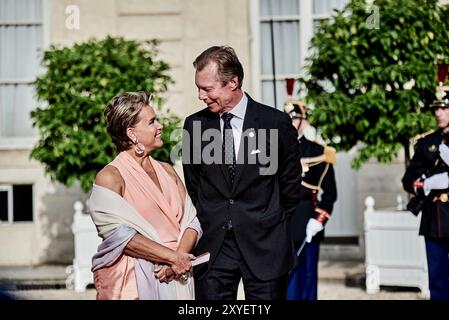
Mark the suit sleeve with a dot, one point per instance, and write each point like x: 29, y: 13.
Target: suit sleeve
x: 415, y: 169
x: 329, y: 188
x: 191, y: 169
x: 289, y: 165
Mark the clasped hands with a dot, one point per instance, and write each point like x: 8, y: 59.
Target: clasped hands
x: 179, y: 268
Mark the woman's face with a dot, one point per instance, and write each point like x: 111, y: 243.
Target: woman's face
x: 147, y: 130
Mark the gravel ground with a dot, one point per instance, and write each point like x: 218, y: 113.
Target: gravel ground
x: 53, y: 294
x: 338, y: 291
x: 327, y: 290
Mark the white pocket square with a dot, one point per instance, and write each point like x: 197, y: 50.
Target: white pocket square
x: 255, y: 151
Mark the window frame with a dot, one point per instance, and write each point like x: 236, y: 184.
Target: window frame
x: 8, y: 188
x: 306, y: 19
x: 27, y: 142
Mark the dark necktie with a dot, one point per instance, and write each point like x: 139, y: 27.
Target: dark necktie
x: 228, y: 145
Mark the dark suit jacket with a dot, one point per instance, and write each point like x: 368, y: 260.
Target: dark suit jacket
x: 257, y: 204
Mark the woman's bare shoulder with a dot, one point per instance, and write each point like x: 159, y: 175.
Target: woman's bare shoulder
x: 110, y: 177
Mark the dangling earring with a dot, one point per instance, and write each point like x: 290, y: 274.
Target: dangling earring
x: 139, y: 148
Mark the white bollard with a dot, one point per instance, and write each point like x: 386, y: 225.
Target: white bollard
x: 86, y: 242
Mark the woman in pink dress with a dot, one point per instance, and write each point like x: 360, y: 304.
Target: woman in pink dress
x: 141, y: 211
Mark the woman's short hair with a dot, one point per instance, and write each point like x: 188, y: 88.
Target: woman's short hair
x: 227, y: 61
x: 122, y: 113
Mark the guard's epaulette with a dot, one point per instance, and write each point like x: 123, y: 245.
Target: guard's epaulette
x: 330, y: 154
x: 422, y: 135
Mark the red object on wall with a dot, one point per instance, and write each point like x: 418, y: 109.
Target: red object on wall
x: 289, y: 83
x: 442, y: 72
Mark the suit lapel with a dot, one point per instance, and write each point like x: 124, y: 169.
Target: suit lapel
x: 250, y: 123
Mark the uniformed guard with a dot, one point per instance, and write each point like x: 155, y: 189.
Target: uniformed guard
x: 427, y: 178
x: 318, y: 194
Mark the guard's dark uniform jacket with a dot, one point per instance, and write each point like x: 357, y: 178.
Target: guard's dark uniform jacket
x: 317, y: 175
x: 427, y: 161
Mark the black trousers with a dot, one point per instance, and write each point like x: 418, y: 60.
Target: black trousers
x: 222, y: 280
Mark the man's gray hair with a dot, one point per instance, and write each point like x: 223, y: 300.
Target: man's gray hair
x: 227, y: 62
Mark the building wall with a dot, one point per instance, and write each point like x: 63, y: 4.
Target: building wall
x: 185, y: 29
x: 48, y: 239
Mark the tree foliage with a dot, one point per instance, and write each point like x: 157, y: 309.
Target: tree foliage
x: 77, y: 85
x: 367, y: 80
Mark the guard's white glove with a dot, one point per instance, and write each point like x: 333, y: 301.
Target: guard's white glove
x: 313, y: 227
x: 444, y: 153
x: 436, y: 182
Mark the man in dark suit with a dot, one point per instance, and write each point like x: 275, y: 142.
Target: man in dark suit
x: 242, y: 171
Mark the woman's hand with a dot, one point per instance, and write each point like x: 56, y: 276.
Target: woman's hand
x: 164, y: 273
x: 182, y: 263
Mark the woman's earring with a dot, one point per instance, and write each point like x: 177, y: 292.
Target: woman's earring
x: 139, y: 148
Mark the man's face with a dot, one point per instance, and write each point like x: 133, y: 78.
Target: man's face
x: 442, y: 117
x: 217, y: 97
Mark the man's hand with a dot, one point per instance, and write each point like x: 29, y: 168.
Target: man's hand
x: 444, y: 153
x: 182, y: 263
x: 313, y: 227
x: 438, y: 181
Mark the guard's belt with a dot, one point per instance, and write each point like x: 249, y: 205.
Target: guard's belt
x: 443, y: 197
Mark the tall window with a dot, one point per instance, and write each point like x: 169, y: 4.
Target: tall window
x: 285, y: 28
x: 16, y: 203
x: 279, y: 47
x: 323, y: 8
x: 21, y: 41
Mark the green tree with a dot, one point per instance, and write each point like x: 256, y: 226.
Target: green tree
x: 371, y: 70
x: 77, y: 84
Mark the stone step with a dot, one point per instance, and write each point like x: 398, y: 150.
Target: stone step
x: 30, y: 284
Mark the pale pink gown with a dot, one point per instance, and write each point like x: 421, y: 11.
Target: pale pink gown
x: 163, y: 210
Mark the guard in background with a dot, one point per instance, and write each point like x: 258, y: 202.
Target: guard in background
x: 427, y: 178
x: 318, y: 194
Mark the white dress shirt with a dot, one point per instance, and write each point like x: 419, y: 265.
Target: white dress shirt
x: 239, y: 112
